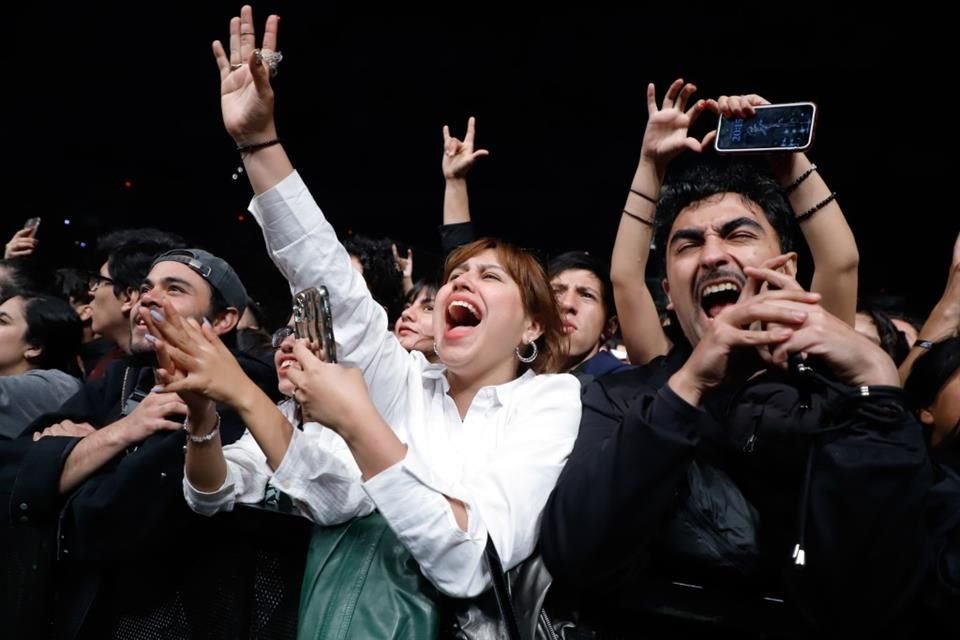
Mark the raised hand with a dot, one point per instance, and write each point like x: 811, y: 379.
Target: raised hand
x: 21, y: 244
x: 403, y: 265
x: 246, y: 97
x: 667, y: 132
x: 459, y: 156
x: 194, y: 361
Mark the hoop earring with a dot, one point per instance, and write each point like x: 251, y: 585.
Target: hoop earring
x: 534, y: 352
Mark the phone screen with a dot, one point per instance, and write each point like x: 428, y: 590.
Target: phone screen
x: 776, y: 127
x: 32, y: 223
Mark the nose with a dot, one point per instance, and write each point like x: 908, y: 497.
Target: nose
x: 464, y: 282
x: 151, y: 298
x: 407, y: 314
x: 568, y: 301
x: 713, y: 254
x: 287, y: 345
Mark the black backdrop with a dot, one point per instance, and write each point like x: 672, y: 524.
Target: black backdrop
x: 98, y: 96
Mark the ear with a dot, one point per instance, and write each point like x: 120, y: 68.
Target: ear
x: 666, y: 291
x: 129, y: 298
x: 225, y: 321
x: 532, y: 331
x: 610, y: 329
x: 926, y: 417
x: 32, y: 353
x: 85, y: 312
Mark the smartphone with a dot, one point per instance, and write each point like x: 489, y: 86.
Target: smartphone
x: 775, y: 127
x: 32, y: 223
x: 313, y: 321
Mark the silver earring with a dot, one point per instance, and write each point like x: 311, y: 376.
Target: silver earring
x: 529, y: 358
x: 436, y: 349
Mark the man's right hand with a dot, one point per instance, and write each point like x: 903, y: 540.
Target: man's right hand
x: 706, y: 368
x: 152, y: 415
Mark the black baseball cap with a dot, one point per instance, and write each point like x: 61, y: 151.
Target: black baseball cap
x: 216, y: 271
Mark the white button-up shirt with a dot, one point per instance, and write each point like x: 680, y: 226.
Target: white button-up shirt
x: 501, y: 460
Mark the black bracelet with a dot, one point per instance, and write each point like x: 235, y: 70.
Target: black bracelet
x: 820, y: 205
x: 643, y: 195
x: 250, y: 148
x: 649, y: 223
x: 803, y: 176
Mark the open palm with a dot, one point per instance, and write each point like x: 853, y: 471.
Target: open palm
x: 246, y: 97
x: 667, y: 132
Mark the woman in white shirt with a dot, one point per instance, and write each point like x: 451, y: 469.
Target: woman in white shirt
x: 447, y: 452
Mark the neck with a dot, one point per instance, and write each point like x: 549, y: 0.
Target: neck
x: 575, y: 361
x: 16, y: 368
x: 465, y: 385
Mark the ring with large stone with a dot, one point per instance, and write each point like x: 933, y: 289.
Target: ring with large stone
x: 272, y: 59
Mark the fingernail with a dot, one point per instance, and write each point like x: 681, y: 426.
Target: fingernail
x: 206, y: 322
x: 783, y: 333
x: 150, y: 338
x: 798, y: 315
x: 157, y: 315
x: 158, y: 389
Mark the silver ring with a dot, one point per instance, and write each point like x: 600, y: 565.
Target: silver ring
x: 272, y: 60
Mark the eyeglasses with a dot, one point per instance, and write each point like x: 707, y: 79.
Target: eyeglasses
x: 95, y: 281
x: 280, y: 335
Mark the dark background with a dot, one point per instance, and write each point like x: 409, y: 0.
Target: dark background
x: 114, y: 119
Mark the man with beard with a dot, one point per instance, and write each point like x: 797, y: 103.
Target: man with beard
x: 107, y: 469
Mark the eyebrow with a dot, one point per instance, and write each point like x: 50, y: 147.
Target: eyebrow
x: 482, y: 267
x: 726, y: 229
x: 169, y: 281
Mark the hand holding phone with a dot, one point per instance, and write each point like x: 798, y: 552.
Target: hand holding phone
x: 747, y: 127
x: 23, y: 241
x: 312, y: 321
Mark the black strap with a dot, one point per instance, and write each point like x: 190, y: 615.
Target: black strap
x: 500, y: 590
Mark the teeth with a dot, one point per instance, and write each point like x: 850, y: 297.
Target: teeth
x: 287, y: 364
x: 717, y: 288
x: 466, y: 305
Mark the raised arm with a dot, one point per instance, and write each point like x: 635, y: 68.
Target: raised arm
x: 458, y: 158
x: 665, y: 137
x: 944, y: 321
x: 825, y: 229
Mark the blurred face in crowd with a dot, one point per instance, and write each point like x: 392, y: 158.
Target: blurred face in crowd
x: 14, y: 350
x: 943, y: 416
x: 710, y: 243
x: 283, y: 358
x: 414, y: 327
x: 579, y: 294
x: 110, y: 313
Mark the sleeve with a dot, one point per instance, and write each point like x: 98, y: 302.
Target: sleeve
x: 305, y: 249
x: 620, y: 485
x: 504, y: 492
x: 320, y: 477
x: 453, y: 236
x: 26, y: 396
x: 866, y: 532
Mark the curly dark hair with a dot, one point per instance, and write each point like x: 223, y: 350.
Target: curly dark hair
x: 749, y: 180
x: 379, y: 272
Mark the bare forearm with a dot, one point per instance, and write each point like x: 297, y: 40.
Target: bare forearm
x: 91, y: 453
x: 269, y: 427
x: 636, y: 309
x: 832, y: 244
x: 942, y: 323
x: 456, y: 201
x: 205, y: 465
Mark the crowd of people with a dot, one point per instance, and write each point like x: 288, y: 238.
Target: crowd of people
x: 763, y: 458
